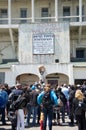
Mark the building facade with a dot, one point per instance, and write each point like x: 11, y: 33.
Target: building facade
x: 43, y: 40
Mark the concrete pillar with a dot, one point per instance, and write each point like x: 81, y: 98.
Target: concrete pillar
x: 56, y: 10
x: 9, y: 11
x: 32, y: 4
x: 70, y: 71
x: 80, y: 10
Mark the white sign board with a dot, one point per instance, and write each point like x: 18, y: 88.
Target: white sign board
x: 43, y: 43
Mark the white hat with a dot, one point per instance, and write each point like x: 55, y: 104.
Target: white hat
x: 78, y: 85
x: 18, y: 84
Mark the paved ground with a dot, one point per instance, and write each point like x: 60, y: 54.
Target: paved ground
x: 65, y: 126
x: 8, y: 127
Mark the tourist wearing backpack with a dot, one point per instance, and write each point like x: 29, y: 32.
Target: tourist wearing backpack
x: 32, y: 107
x: 18, y: 103
x: 15, y: 94
x: 47, y: 99
x: 3, y: 102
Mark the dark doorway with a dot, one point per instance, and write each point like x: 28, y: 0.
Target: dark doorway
x: 79, y: 81
x: 53, y: 82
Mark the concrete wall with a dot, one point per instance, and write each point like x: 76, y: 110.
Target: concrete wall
x: 61, y: 45
x: 80, y: 73
x: 6, y: 46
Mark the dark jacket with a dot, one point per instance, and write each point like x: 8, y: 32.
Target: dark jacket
x: 80, y: 117
x: 60, y: 95
x: 33, y: 98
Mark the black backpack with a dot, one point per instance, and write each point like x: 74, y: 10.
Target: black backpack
x: 19, y: 103
x: 63, y: 98
x: 46, y: 100
x: 81, y: 107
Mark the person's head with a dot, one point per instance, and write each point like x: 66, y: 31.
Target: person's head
x: 79, y: 95
x: 84, y: 83
x: 59, y: 89
x: 56, y: 87
x: 18, y: 86
x: 72, y: 87
x: 42, y: 116
x: 33, y: 87
x: 2, y: 87
x: 65, y: 85
x: 6, y: 86
x: 47, y: 87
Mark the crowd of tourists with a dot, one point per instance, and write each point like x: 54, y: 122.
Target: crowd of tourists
x: 23, y: 105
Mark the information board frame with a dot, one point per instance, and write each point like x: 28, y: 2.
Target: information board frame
x: 43, y: 43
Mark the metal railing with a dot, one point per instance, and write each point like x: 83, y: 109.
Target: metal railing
x: 41, y: 19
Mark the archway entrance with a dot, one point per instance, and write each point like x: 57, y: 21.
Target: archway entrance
x: 57, y: 78
x: 27, y: 78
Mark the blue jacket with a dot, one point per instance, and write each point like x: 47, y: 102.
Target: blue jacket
x: 5, y: 98
x: 53, y: 97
